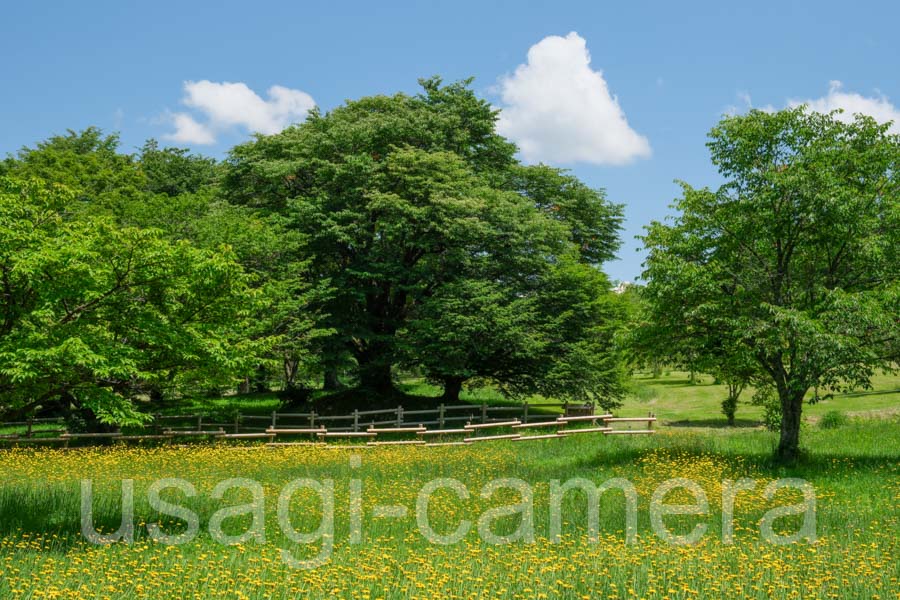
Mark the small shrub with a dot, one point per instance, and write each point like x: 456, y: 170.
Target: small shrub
x: 833, y: 420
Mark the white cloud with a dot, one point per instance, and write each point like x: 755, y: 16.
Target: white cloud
x: 879, y: 108
x: 226, y: 105
x: 189, y: 131
x: 560, y: 110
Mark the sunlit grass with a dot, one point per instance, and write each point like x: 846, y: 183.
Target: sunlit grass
x: 674, y: 399
x: 855, y: 469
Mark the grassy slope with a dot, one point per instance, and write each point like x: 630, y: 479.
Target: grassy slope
x: 671, y: 397
x: 676, y: 401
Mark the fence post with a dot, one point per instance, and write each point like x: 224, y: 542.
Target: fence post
x: 312, y: 420
x: 650, y: 423
x: 441, y: 416
x: 399, y: 416
x: 237, y: 422
x: 28, y: 431
x: 566, y: 408
x: 483, y: 412
x: 525, y: 413
x: 274, y: 419
x: 199, y: 422
x: 156, y: 424
x: 355, y: 419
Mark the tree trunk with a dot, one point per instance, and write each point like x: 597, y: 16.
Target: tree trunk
x: 375, y: 369
x: 261, y: 380
x: 452, y: 388
x: 290, y: 367
x: 331, y: 382
x: 791, y: 409
x: 376, y: 377
x: 244, y: 386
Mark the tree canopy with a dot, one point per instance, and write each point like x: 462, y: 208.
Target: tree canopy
x: 404, y: 201
x: 393, y: 232
x: 98, y: 315
x: 791, y: 265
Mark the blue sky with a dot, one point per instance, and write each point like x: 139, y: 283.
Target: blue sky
x: 670, y: 70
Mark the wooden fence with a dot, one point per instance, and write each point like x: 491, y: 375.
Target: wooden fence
x: 443, y: 420
x: 442, y: 416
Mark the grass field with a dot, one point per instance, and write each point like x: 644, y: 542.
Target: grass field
x: 854, y: 468
x: 678, y: 402
x: 673, y: 398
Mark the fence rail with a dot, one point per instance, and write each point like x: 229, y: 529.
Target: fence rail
x: 313, y: 428
x: 358, y: 421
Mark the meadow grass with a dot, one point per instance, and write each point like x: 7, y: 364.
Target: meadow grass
x: 677, y: 401
x: 854, y: 468
x: 672, y: 396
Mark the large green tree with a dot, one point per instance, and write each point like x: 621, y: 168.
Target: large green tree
x: 404, y: 201
x: 792, y: 264
x: 176, y: 192
x: 551, y: 336
x: 98, y: 316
